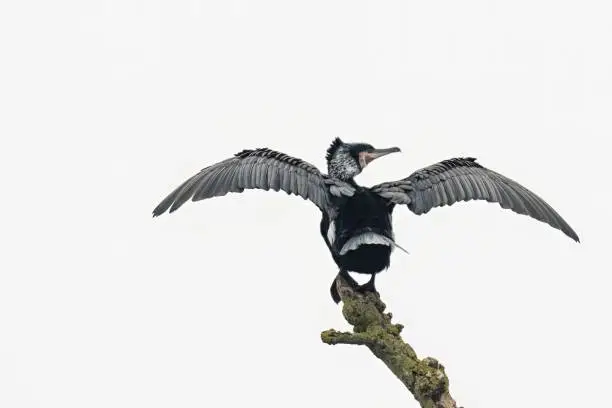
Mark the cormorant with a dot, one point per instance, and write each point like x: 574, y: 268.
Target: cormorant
x: 356, y: 221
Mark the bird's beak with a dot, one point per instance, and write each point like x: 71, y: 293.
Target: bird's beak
x: 367, y: 157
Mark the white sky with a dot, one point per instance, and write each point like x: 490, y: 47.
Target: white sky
x: 106, y: 106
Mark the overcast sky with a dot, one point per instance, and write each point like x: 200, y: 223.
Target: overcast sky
x: 106, y: 106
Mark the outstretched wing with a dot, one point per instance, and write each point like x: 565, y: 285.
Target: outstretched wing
x: 463, y: 179
x: 258, y: 169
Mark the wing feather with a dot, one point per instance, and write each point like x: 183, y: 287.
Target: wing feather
x: 462, y: 179
x: 263, y: 169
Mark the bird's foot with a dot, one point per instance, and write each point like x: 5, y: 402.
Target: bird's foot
x: 334, y: 290
x: 368, y: 288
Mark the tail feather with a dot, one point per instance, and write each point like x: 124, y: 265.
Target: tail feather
x: 369, y: 238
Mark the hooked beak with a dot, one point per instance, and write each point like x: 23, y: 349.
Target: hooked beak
x: 367, y: 157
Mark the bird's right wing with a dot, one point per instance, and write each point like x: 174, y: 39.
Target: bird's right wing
x: 258, y: 169
x: 462, y: 179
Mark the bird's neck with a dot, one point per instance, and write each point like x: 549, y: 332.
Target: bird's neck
x: 343, y: 169
x: 347, y: 178
x: 353, y: 183
x: 343, y: 177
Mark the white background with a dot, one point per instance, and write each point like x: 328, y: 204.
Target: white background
x: 106, y: 106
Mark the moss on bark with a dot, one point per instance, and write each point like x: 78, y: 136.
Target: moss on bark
x: 372, y: 327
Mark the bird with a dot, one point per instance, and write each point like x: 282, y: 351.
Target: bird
x: 356, y: 221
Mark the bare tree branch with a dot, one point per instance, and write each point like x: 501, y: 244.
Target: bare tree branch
x: 425, y: 378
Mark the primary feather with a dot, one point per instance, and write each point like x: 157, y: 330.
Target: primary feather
x: 462, y: 179
x: 257, y: 169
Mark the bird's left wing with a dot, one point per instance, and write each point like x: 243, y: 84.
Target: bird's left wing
x: 462, y: 179
x: 258, y: 169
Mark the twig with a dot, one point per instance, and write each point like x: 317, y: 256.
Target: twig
x: 425, y: 378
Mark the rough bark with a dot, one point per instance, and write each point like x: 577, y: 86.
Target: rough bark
x: 425, y: 378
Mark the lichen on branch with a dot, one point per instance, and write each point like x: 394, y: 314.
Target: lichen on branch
x: 372, y: 327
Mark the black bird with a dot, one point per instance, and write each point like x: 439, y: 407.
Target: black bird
x: 356, y: 221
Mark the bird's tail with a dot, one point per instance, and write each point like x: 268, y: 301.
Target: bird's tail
x: 397, y: 245
x: 369, y: 238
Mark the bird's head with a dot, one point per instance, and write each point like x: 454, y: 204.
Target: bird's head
x: 346, y: 160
